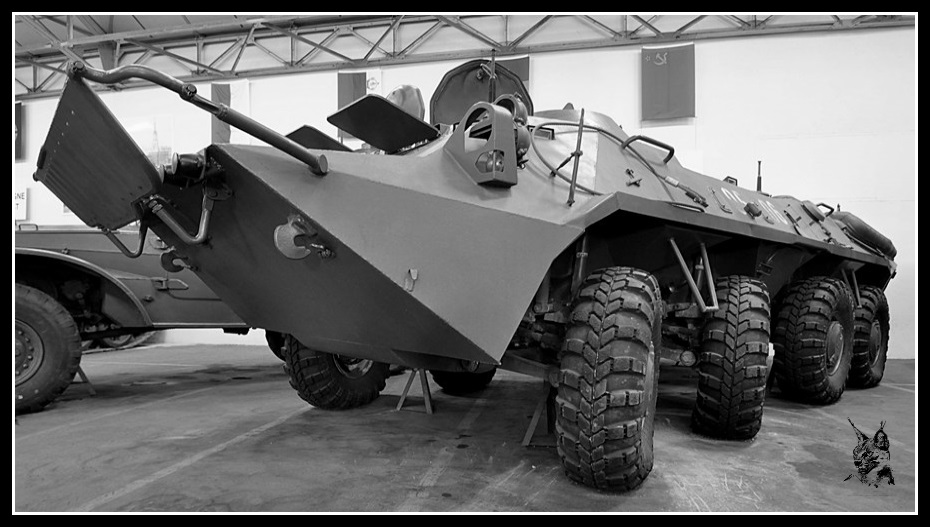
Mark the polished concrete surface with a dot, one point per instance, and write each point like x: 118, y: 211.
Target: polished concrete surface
x: 218, y: 428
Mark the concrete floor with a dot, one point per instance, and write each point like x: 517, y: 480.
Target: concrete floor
x: 217, y: 428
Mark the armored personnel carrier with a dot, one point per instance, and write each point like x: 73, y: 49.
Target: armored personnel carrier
x: 550, y: 243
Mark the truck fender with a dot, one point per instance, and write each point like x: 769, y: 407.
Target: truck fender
x: 119, y: 303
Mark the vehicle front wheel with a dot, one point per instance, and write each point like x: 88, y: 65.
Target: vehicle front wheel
x: 46, y: 351
x: 607, y: 393
x: 329, y: 381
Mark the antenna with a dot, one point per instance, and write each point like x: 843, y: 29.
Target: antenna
x: 759, y: 177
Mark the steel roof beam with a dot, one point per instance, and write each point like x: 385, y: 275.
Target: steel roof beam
x: 392, y: 27
x: 682, y: 29
x: 308, y: 41
x: 361, y: 37
x: 64, y: 24
x: 248, y: 38
x: 28, y: 89
x: 457, y: 23
x: 409, y: 56
x: 597, y: 23
x: 641, y: 26
x: 529, y: 32
x: 176, y: 57
x: 421, y: 39
x: 316, y: 51
x: 26, y: 61
x: 648, y: 25
x: 742, y: 23
x: 224, y: 55
x: 34, y: 23
x: 268, y: 52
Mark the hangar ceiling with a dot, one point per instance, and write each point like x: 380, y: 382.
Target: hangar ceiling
x: 205, y: 47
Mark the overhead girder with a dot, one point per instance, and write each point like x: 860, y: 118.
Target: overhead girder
x: 317, y: 43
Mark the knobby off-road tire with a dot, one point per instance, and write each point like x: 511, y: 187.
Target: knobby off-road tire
x: 609, y: 371
x: 462, y: 382
x: 813, y: 340
x: 870, y: 341
x: 47, y: 349
x: 732, y: 364
x: 332, y: 382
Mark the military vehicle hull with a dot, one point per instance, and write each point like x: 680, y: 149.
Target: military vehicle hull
x: 467, y: 249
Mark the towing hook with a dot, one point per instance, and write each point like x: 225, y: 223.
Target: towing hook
x: 296, y: 239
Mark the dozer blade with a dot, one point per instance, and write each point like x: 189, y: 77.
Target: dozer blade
x: 89, y: 159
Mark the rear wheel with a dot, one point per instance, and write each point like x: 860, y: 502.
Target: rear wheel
x: 46, y: 351
x: 813, y: 340
x: 870, y: 342
x: 732, y: 364
x: 462, y: 382
x: 607, y: 391
x: 329, y: 381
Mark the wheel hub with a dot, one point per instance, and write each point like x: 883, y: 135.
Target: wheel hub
x: 351, y: 367
x: 28, y: 352
x: 834, y: 346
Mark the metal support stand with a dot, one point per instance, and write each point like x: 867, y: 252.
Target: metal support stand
x: 424, y: 384
x: 84, y: 380
x: 547, y: 403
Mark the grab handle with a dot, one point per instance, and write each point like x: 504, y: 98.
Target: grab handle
x: 653, y: 142
x: 318, y: 164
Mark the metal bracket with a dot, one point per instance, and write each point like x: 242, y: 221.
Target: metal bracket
x: 169, y: 284
x: 410, y: 279
x: 157, y: 208
x: 695, y: 290
x: 143, y: 230
x: 424, y: 385
x: 546, y: 403
x: 723, y: 206
x: 853, y: 284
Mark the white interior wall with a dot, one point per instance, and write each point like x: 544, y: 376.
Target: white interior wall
x: 832, y: 117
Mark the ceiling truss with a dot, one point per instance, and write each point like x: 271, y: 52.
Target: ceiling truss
x: 215, y: 50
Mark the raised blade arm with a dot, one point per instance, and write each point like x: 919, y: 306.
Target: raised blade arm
x: 188, y: 92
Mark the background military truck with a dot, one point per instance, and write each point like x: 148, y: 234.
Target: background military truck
x: 550, y: 243
x: 74, y: 289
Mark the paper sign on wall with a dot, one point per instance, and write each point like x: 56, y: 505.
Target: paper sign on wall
x: 20, y: 204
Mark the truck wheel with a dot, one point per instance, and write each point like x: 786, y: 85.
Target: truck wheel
x: 609, y: 371
x: 870, y: 342
x: 732, y: 364
x: 47, y: 349
x: 275, y: 342
x: 126, y: 341
x: 329, y: 381
x: 117, y: 342
x: 462, y: 382
x: 813, y: 340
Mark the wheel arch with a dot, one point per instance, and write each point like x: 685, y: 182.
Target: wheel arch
x: 118, y: 302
